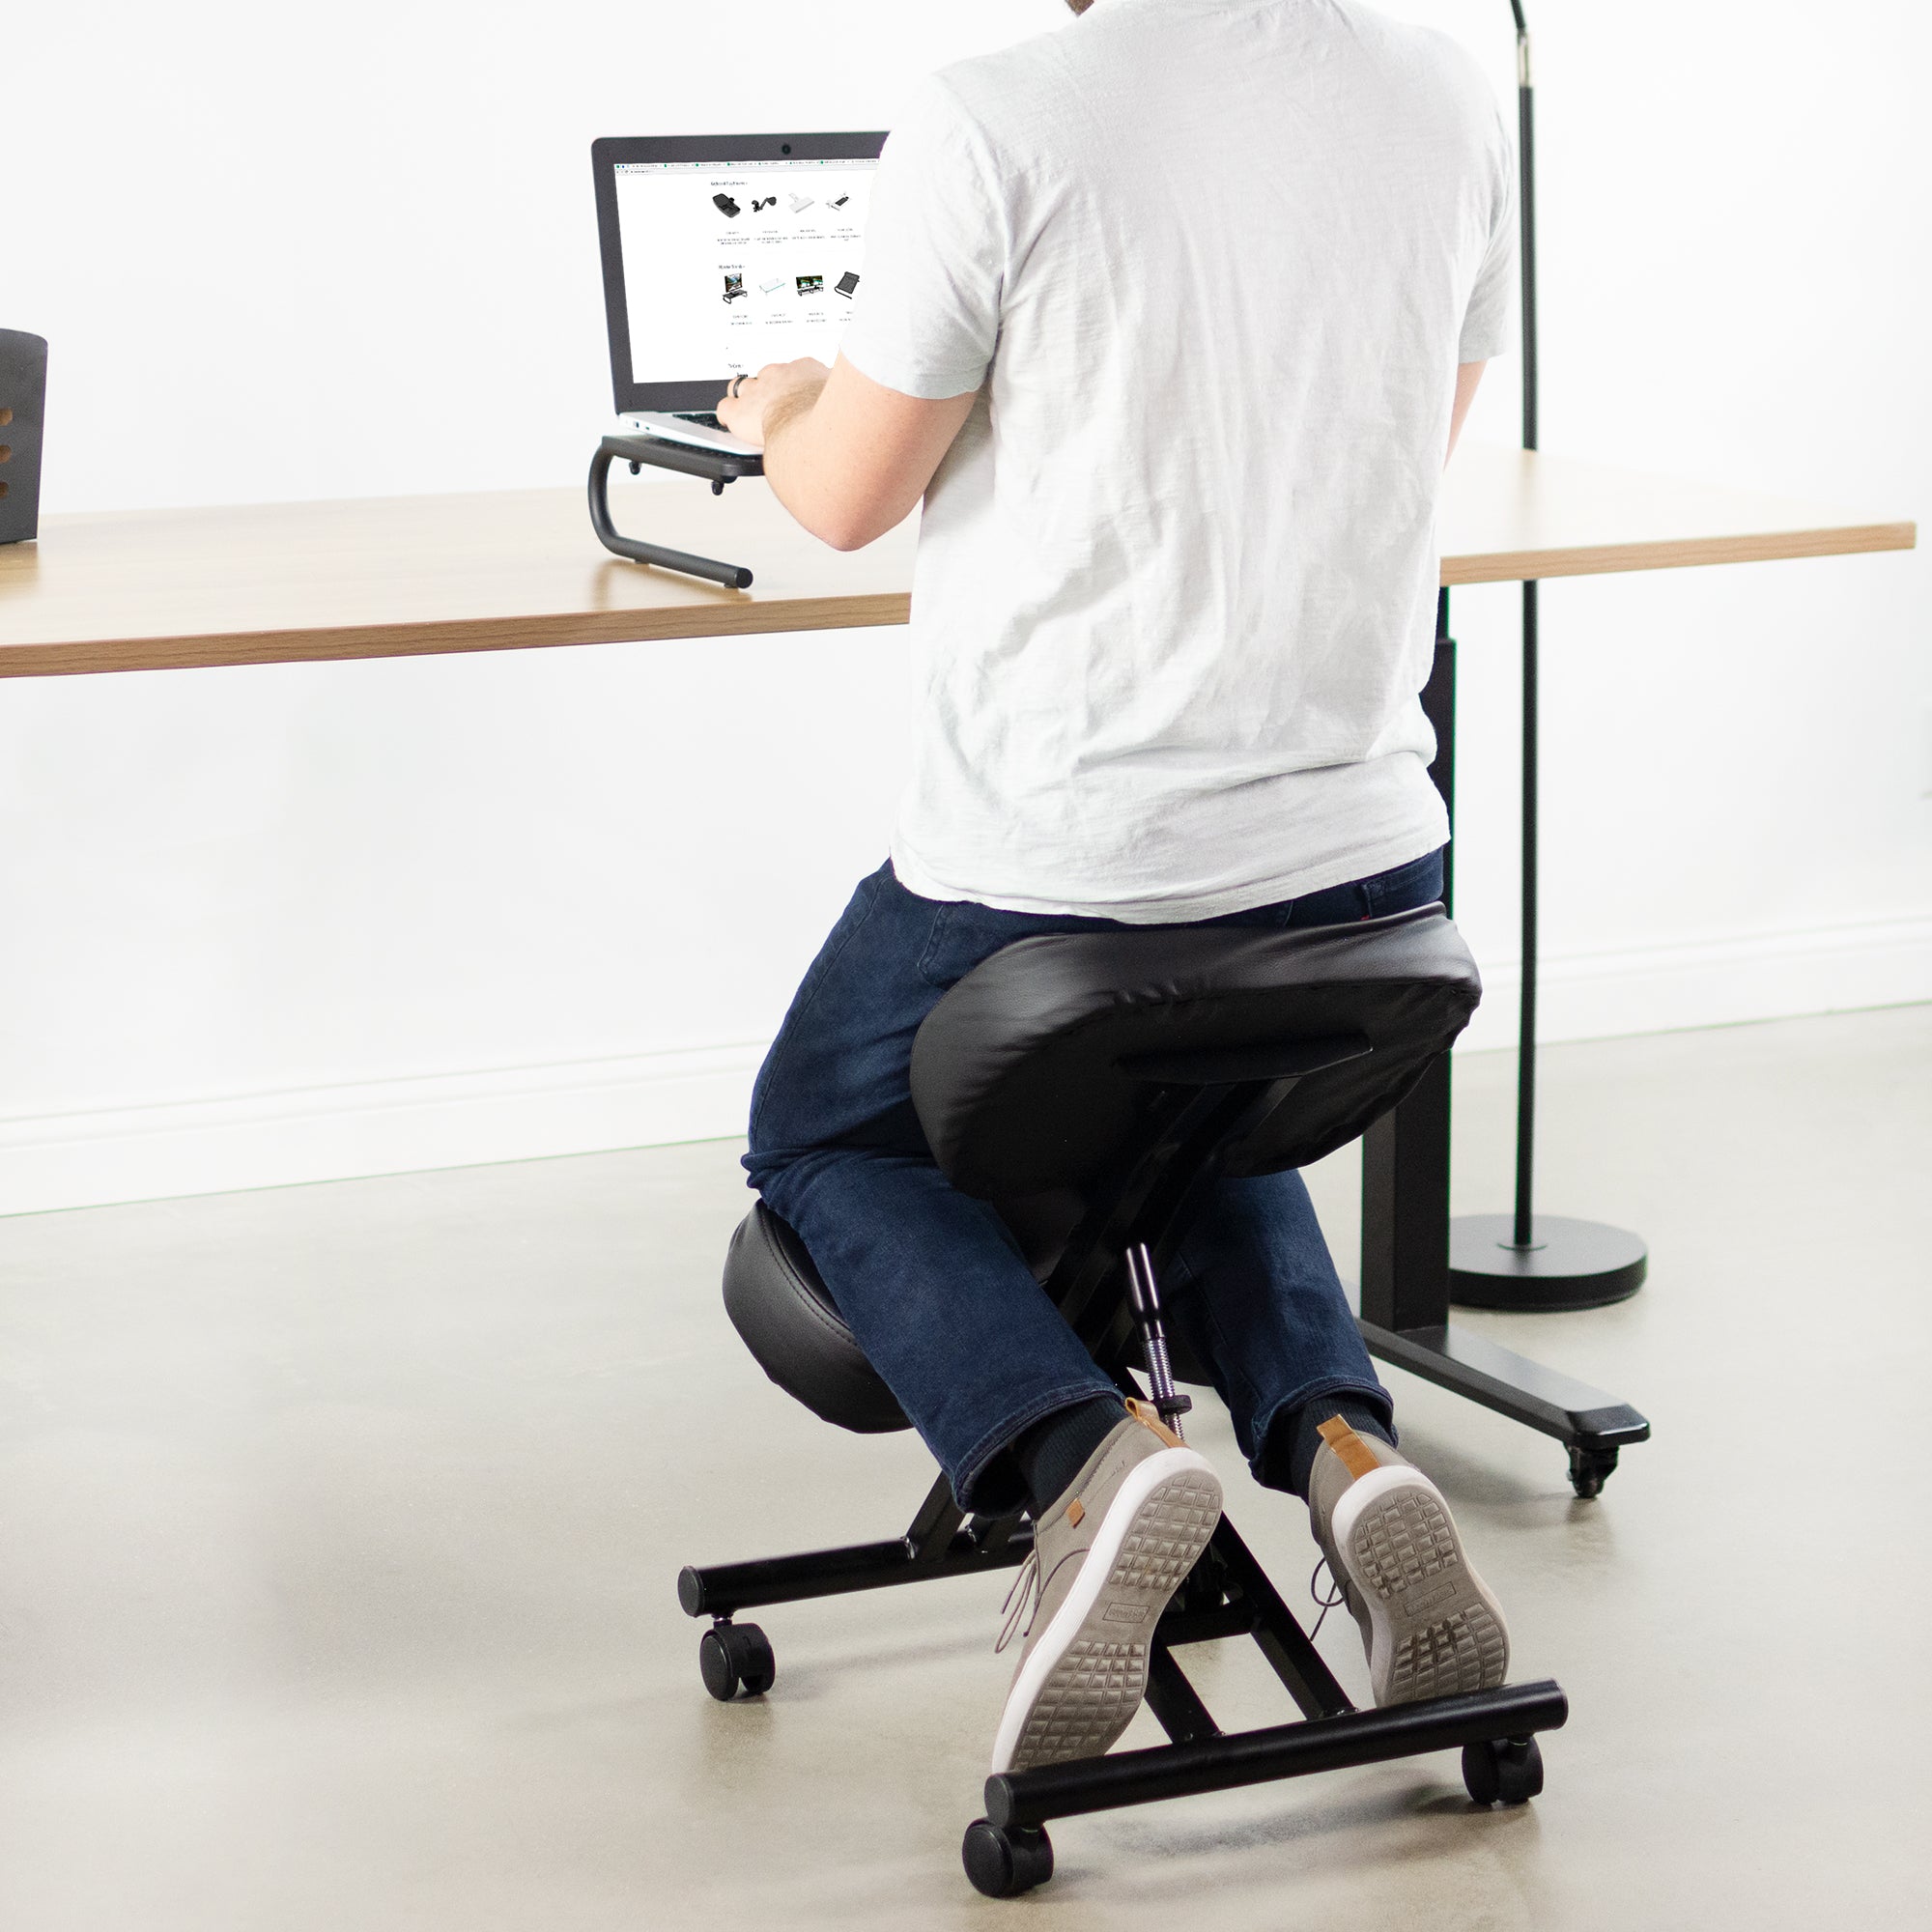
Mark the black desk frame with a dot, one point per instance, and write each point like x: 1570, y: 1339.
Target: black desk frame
x: 1405, y: 1318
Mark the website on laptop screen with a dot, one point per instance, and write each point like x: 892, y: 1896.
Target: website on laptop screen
x: 728, y: 266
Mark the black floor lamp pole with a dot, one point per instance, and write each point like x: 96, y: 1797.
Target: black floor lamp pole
x: 1523, y: 1261
x: 1522, y: 1233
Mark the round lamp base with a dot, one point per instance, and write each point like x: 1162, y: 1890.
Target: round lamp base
x: 1568, y: 1263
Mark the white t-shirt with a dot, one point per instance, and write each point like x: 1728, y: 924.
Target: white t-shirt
x: 1211, y: 265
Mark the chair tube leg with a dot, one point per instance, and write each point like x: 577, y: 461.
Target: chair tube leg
x: 1144, y: 1294
x: 1175, y: 1703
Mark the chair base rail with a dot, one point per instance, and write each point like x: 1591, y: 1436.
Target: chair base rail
x: 1027, y: 1799
x: 941, y: 1540
x: 724, y: 1589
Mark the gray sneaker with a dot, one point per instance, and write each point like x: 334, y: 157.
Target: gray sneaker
x: 1106, y: 1557
x: 1428, y: 1621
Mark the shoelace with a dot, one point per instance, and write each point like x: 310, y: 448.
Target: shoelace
x: 1329, y: 1602
x: 1020, y: 1615
x: 1028, y: 1585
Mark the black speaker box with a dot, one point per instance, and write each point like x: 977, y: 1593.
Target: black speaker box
x: 23, y: 408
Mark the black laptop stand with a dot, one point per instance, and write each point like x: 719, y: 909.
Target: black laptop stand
x: 717, y: 468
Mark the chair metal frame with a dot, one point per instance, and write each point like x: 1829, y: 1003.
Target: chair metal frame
x: 1194, y: 1120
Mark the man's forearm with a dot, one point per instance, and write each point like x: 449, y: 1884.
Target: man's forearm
x: 789, y: 465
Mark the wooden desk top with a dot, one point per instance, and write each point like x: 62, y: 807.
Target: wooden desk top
x: 285, y: 582
x: 1508, y: 515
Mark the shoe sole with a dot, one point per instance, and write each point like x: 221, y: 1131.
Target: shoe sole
x: 1084, y: 1680
x: 1433, y: 1626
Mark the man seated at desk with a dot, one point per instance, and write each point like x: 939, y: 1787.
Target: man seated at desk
x: 1171, y: 318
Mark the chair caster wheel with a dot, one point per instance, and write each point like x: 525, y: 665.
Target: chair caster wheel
x: 1503, y: 1772
x: 1590, y: 1469
x: 735, y: 1658
x: 1003, y: 1863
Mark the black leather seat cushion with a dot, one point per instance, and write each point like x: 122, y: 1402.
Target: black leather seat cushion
x: 1017, y: 1080
x: 785, y: 1317
x: 1018, y: 1072
x: 781, y: 1310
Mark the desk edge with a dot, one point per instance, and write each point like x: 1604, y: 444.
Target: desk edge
x: 1617, y: 559
x: 731, y: 615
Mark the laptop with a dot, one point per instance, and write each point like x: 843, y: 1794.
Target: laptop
x: 722, y: 253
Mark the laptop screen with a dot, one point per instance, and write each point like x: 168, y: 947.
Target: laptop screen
x: 727, y: 263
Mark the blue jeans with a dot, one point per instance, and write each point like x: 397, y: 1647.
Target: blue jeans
x: 929, y: 1280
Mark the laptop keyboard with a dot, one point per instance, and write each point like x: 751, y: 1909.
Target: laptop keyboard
x: 703, y: 417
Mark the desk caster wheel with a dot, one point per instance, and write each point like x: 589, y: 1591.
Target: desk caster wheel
x: 1590, y: 1469
x: 1508, y: 1771
x: 734, y: 1658
x: 1003, y: 1863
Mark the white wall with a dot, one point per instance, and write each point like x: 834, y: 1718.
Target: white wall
x: 306, y: 920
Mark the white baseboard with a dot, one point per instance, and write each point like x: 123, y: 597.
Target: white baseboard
x: 525, y: 1113
x: 375, y: 1126
x: 1717, y: 981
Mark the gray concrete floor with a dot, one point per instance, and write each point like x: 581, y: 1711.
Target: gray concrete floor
x: 338, y: 1527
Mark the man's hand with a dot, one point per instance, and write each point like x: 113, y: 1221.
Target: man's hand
x: 764, y: 403
x: 846, y: 456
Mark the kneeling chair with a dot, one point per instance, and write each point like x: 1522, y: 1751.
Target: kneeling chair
x: 1092, y: 1085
